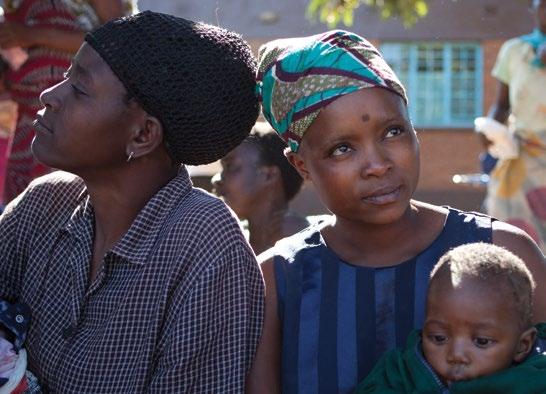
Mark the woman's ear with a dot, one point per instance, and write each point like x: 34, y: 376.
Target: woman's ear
x: 272, y: 173
x: 146, y: 137
x: 298, y: 163
x: 526, y: 342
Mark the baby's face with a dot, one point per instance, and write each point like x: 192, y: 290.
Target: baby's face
x: 471, y: 331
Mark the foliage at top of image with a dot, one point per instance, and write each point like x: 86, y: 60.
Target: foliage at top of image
x: 333, y: 12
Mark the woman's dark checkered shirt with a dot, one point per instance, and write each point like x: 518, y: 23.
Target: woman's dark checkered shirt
x: 177, y: 306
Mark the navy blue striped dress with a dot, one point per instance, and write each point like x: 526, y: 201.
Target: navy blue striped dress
x: 338, y: 319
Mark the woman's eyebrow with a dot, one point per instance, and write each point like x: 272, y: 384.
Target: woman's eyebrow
x: 81, y: 71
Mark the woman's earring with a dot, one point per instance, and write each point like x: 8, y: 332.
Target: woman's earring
x: 130, y: 157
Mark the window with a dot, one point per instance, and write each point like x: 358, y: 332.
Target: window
x: 443, y: 80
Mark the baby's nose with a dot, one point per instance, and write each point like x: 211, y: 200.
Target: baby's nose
x: 458, y: 354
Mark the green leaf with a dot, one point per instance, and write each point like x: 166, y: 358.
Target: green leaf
x: 333, y: 12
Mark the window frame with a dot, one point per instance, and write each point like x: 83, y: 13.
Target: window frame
x: 448, y: 120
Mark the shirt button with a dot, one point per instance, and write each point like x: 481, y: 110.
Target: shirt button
x: 19, y: 319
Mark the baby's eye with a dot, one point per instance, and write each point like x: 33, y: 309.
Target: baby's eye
x: 438, y: 338
x: 340, y: 150
x: 483, y: 342
x: 394, y: 131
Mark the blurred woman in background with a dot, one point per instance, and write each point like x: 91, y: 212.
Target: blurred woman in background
x: 258, y: 183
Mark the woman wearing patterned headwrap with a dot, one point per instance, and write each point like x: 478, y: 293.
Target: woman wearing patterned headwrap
x: 517, y: 188
x: 341, y: 294
x: 51, y: 31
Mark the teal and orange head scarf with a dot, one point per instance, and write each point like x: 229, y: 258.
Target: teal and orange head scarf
x: 299, y: 76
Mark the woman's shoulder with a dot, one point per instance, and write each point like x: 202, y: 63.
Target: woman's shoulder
x: 446, y: 213
x: 454, y: 226
x: 297, y: 246
x: 58, y: 188
x: 46, y: 203
x: 513, y: 47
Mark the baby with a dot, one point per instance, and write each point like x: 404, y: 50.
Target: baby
x: 478, y: 335
x: 14, y: 324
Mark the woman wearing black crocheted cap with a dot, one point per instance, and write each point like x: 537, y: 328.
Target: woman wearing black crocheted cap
x: 258, y: 183
x: 137, y: 281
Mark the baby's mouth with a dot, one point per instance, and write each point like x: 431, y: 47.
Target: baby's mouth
x: 456, y: 374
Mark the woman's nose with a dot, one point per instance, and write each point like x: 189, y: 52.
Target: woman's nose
x: 216, y: 179
x: 375, y: 162
x: 50, y: 98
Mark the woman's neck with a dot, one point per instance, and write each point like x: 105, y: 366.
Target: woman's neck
x: 265, y: 224
x: 388, y: 244
x: 118, y: 198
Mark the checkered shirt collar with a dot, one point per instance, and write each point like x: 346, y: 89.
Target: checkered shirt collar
x: 136, y: 245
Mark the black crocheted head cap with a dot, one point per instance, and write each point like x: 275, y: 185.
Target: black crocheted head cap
x: 197, y: 79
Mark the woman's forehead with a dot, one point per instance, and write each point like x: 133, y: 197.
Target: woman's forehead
x: 89, y: 64
x: 374, y: 105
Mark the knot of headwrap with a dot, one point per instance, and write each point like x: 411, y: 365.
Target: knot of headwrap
x: 299, y: 76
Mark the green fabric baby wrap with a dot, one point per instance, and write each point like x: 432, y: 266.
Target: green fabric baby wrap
x: 406, y: 371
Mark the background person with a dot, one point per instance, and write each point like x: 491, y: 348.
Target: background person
x: 136, y: 281
x: 258, y: 183
x: 517, y: 187
x: 341, y: 295
x: 51, y: 31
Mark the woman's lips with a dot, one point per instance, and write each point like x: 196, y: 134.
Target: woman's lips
x: 39, y: 126
x: 383, y: 196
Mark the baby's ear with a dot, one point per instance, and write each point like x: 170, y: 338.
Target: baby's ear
x: 526, y: 342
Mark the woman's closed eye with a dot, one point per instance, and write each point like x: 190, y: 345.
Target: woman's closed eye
x: 77, y: 90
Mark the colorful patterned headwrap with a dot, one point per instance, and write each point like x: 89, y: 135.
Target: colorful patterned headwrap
x: 299, y: 76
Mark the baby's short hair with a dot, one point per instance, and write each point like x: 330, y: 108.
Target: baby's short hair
x: 490, y: 264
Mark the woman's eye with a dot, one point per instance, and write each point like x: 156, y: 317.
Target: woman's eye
x: 78, y: 91
x: 230, y: 168
x: 483, y: 342
x: 340, y: 150
x: 394, y: 131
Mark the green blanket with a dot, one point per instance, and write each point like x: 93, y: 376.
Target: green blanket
x: 406, y: 371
